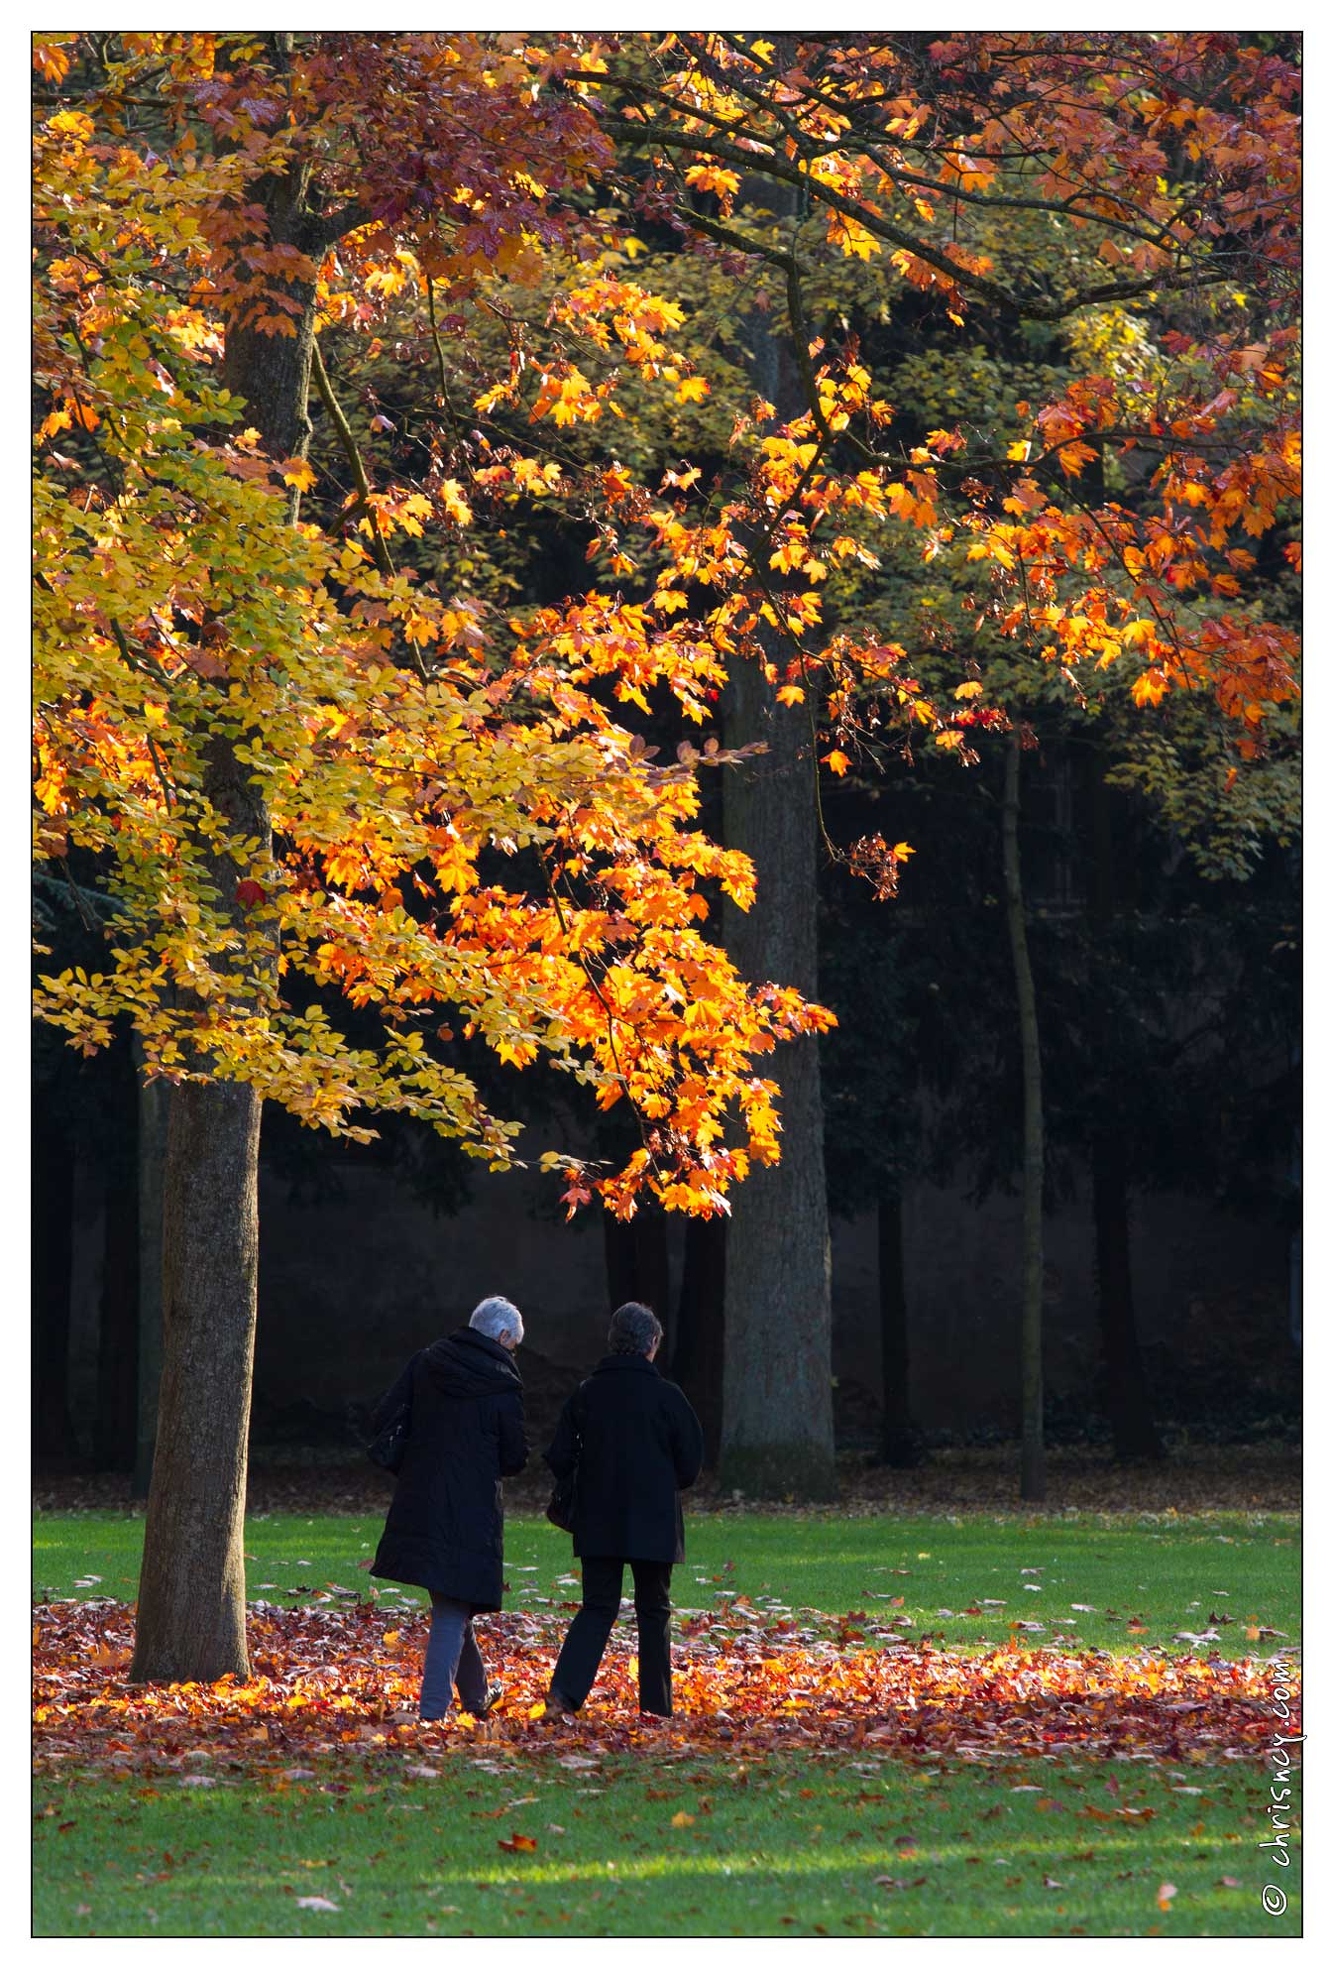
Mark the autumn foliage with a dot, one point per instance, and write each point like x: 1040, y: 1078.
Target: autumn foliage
x: 461, y: 833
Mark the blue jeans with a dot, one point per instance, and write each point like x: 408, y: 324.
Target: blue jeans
x: 452, y: 1660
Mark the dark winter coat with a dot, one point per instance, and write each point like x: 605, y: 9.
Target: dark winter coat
x: 445, y: 1527
x: 634, y: 1442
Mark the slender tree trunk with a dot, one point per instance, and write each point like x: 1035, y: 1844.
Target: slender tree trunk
x: 900, y: 1439
x: 637, y: 1263
x: 1033, y: 1468
x: 1134, y: 1436
x: 697, y: 1354
x: 152, y: 1160
x: 54, y: 1445
x: 191, y: 1622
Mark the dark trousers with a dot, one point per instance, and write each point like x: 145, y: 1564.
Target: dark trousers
x: 591, y: 1627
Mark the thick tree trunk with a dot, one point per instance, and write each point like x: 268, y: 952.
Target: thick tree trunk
x: 153, y: 1098
x: 778, y: 1425
x: 1033, y: 1469
x: 900, y: 1439
x: 191, y: 1622
x: 54, y: 1446
x: 778, y: 1421
x: 697, y: 1352
x: 1134, y: 1436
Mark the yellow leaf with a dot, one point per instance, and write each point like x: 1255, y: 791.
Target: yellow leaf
x: 683, y: 1818
x: 297, y: 472
x: 693, y: 390
x: 971, y: 689
x: 837, y: 762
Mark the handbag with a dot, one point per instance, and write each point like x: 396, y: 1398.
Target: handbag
x: 560, y: 1505
x: 389, y: 1448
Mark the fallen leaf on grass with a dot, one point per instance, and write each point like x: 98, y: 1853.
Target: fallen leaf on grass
x: 521, y: 1843
x: 1166, y: 1895
x: 1229, y: 1880
x: 683, y: 1818
x: 318, y: 1903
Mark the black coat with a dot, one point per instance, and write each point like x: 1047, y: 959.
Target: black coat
x: 445, y: 1528
x: 635, y: 1442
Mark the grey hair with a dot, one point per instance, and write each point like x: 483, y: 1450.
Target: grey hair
x: 498, y: 1319
x: 633, y: 1329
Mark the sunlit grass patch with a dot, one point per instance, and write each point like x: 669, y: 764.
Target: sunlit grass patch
x: 825, y: 1844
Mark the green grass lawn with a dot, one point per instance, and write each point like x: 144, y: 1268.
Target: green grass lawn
x: 1144, y: 1581
x: 836, y: 1844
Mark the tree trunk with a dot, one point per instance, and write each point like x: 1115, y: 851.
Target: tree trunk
x: 1033, y: 1470
x: 1134, y: 1437
x: 637, y: 1263
x: 697, y: 1354
x: 778, y: 1421
x: 778, y: 1425
x: 900, y: 1439
x: 152, y: 1159
x: 191, y: 1621
x: 54, y: 1445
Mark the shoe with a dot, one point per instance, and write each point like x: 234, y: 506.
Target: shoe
x: 493, y: 1696
x: 556, y: 1707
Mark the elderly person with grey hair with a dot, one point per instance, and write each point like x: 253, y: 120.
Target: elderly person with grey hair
x: 633, y: 1443
x: 445, y: 1526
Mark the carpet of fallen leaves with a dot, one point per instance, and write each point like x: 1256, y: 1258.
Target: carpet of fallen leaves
x: 338, y: 1680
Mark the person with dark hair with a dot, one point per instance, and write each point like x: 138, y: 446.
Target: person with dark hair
x: 633, y: 1443
x: 445, y: 1528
